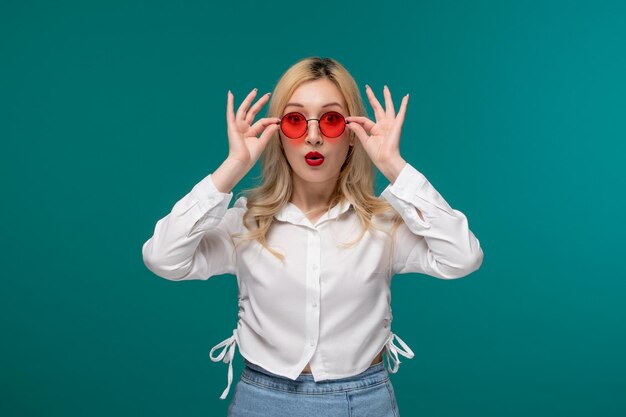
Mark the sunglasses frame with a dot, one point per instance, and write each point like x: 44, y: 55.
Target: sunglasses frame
x: 345, y: 122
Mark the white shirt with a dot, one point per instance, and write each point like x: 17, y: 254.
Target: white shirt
x: 326, y: 305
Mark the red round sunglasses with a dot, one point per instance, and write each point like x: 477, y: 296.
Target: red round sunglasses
x: 332, y: 124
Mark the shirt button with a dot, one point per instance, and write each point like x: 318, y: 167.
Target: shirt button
x: 314, y: 304
x: 312, y: 342
x: 314, y: 266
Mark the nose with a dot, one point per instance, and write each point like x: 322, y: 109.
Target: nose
x: 313, y: 135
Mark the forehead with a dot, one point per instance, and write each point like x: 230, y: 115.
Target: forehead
x: 315, y: 94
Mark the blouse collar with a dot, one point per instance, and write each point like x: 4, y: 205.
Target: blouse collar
x: 292, y: 214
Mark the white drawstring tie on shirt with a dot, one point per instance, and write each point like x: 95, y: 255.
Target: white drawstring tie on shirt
x: 393, y: 350
x: 227, y: 354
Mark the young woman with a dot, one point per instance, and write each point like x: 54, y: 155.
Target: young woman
x: 313, y: 249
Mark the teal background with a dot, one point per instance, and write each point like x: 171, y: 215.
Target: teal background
x: 111, y: 111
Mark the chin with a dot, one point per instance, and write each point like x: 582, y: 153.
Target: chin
x: 320, y: 176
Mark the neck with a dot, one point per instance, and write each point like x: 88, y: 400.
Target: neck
x: 312, y: 196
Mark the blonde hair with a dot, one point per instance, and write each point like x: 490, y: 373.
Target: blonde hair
x: 356, y: 178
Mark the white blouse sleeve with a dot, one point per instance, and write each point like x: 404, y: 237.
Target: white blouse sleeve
x: 441, y: 245
x: 192, y: 241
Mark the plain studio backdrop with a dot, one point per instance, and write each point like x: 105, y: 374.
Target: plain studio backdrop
x: 110, y: 111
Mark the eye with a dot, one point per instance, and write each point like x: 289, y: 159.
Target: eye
x: 332, y: 118
x: 294, y: 118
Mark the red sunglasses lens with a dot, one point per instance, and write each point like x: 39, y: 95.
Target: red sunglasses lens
x: 293, y: 125
x: 332, y: 124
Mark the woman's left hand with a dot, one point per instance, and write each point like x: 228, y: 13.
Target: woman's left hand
x: 382, y: 144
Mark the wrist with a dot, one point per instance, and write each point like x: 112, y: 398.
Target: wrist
x: 228, y: 174
x: 236, y: 165
x: 392, y: 168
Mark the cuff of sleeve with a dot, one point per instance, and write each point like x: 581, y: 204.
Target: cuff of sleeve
x: 209, y: 196
x: 210, y: 205
x: 408, y: 212
x: 413, y: 187
x: 412, y: 190
x: 408, y: 182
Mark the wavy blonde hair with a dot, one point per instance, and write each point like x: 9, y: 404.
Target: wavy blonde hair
x: 356, y: 178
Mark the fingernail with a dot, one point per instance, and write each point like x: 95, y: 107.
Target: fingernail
x: 386, y: 87
x: 367, y: 86
x: 229, y: 92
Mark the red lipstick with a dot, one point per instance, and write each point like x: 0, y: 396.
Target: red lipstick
x: 314, y: 158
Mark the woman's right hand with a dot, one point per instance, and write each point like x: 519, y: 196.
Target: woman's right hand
x: 244, y: 146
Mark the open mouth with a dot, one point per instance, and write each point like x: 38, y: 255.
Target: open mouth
x: 314, y: 158
x: 314, y: 155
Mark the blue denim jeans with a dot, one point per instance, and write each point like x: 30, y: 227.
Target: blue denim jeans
x: 262, y: 393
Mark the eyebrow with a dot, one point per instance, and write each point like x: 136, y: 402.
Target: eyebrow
x: 325, y: 105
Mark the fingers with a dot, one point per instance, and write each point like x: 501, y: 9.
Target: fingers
x: 402, y: 111
x: 378, y: 109
x: 255, y: 109
x: 268, y: 132
x: 364, y: 121
x: 243, y: 107
x: 358, y: 130
x: 230, y: 116
x: 262, y: 124
x: 389, y: 103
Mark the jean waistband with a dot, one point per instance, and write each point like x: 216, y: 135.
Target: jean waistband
x: 304, y: 383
